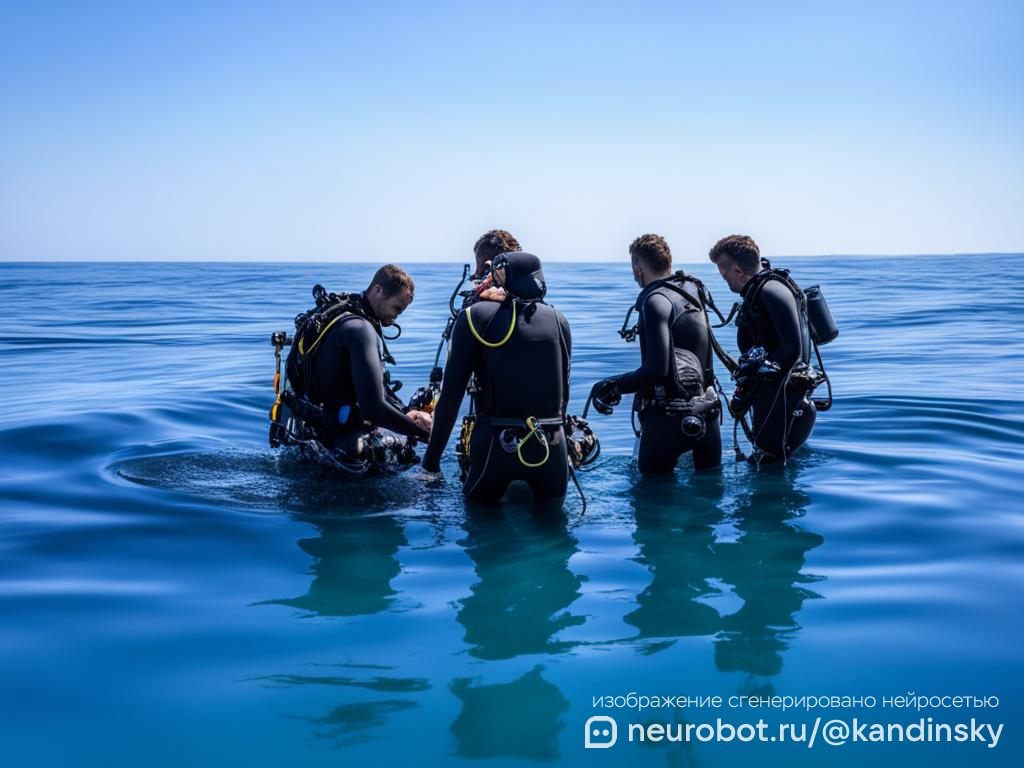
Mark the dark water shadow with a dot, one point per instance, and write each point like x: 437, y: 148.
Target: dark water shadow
x: 350, y: 724
x: 764, y: 566
x: 524, y: 586
x: 355, y: 560
x: 521, y: 719
x: 707, y: 551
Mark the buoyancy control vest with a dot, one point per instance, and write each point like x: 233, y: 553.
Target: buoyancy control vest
x: 311, y: 329
x: 690, y: 389
x: 817, y: 327
x: 688, y: 375
x: 311, y: 421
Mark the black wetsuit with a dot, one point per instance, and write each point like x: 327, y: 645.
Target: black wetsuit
x: 347, y: 370
x: 526, y: 376
x: 783, y: 416
x: 668, y: 321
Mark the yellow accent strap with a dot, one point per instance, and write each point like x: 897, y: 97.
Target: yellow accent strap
x: 467, y: 435
x: 462, y: 446
x: 318, y: 338
x: 535, y: 429
x: 491, y: 344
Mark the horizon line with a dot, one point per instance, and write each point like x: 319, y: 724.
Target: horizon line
x: 455, y: 261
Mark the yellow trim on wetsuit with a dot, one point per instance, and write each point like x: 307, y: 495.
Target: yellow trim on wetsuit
x: 491, y: 344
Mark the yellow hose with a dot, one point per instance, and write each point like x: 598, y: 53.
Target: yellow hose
x: 322, y: 333
x: 535, y: 429
x: 491, y: 344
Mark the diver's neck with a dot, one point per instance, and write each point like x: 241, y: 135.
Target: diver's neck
x: 368, y: 307
x: 745, y: 282
x: 657, y: 278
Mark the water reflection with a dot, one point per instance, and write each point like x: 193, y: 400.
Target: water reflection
x: 520, y: 719
x: 701, y: 559
x: 355, y: 561
x: 351, y: 723
x: 518, y: 606
x: 520, y: 602
x: 676, y: 539
x: 764, y: 567
x: 725, y: 561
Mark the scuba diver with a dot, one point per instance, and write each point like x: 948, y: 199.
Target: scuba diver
x: 488, y: 246
x: 518, y: 352
x: 778, y: 325
x: 676, y: 397
x: 482, y: 288
x: 338, y: 392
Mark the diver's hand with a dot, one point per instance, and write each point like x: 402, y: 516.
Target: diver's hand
x: 487, y: 290
x: 742, y: 400
x: 605, y: 395
x: 769, y: 371
x: 421, y: 419
x: 492, y: 293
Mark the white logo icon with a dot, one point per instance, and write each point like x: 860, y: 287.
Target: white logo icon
x: 601, y: 732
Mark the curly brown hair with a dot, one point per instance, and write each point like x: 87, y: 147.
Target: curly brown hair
x: 653, y: 252
x: 393, y: 279
x: 490, y: 244
x: 741, y: 250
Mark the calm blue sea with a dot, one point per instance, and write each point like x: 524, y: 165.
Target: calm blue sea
x: 172, y: 592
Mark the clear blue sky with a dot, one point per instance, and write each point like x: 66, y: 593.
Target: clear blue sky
x: 401, y: 131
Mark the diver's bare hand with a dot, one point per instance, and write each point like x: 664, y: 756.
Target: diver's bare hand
x: 421, y: 419
x: 492, y: 293
x: 488, y: 291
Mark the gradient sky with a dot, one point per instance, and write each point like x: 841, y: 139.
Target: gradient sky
x: 333, y: 131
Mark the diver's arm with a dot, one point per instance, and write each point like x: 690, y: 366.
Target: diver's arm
x: 359, y: 338
x: 456, y: 377
x: 657, y: 314
x: 784, y: 314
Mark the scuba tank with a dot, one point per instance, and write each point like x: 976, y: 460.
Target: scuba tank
x: 819, y: 317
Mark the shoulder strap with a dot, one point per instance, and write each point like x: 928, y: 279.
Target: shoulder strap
x: 713, y: 345
x: 782, y: 275
x: 338, y: 317
x: 337, y: 308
